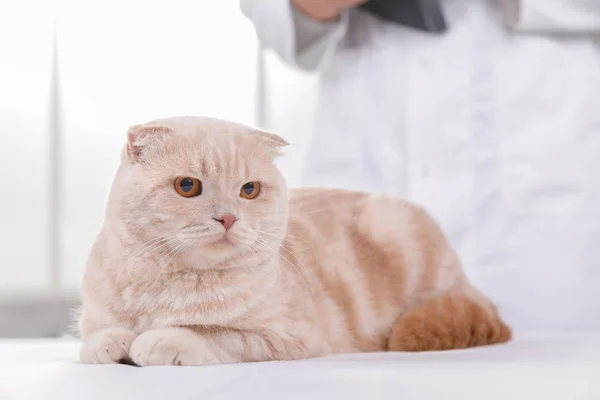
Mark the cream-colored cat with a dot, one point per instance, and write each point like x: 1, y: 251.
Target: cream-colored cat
x: 206, y: 258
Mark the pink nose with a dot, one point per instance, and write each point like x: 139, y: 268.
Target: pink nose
x: 227, y: 221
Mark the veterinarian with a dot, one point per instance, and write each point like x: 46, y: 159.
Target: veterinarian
x: 492, y: 126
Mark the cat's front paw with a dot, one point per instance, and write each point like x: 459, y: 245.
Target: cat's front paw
x: 171, y: 346
x: 107, y: 346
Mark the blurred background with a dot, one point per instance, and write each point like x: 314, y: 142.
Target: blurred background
x: 73, y: 77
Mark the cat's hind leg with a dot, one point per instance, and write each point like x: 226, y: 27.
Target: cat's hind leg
x: 446, y: 321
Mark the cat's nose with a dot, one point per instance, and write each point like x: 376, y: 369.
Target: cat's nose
x: 227, y: 221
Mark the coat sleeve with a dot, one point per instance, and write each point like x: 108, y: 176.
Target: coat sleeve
x: 297, y: 39
x: 553, y: 16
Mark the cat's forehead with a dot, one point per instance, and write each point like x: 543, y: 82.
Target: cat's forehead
x: 203, y: 146
x: 212, y: 142
x: 201, y: 126
x: 216, y: 148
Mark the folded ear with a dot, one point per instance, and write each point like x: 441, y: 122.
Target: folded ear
x: 270, y: 139
x: 142, y: 137
x: 270, y: 143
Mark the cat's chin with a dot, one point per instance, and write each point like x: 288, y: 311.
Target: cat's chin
x: 217, y: 249
x: 222, y: 246
x: 223, y: 243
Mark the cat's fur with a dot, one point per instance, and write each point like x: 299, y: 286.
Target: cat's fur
x: 318, y: 273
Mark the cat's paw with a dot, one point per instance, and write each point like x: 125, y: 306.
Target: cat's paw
x: 107, y: 346
x: 171, y: 346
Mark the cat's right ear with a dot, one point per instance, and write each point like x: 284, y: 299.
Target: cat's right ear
x: 141, y: 138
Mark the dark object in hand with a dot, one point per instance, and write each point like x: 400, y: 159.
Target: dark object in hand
x: 425, y: 15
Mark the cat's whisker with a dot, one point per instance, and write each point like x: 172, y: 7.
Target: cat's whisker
x: 273, y: 246
x: 166, y: 243
x: 196, y: 229
x: 165, y: 266
x: 179, y: 249
x: 150, y: 243
x: 256, y: 252
x: 282, y: 245
x: 146, y: 248
x: 251, y: 239
x: 289, y: 235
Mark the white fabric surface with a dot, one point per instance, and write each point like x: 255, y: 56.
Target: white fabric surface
x: 530, y: 367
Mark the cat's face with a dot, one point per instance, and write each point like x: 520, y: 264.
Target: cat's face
x: 200, y: 190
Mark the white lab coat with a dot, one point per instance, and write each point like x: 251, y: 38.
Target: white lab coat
x: 493, y: 127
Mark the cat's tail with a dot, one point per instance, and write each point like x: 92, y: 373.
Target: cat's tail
x: 449, y: 320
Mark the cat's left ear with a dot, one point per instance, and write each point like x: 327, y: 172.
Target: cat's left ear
x: 140, y: 138
x: 270, y: 140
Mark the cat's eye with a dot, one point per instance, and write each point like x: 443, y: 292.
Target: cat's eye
x: 188, y: 187
x: 250, y: 190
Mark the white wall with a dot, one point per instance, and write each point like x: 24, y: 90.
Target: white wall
x: 25, y: 60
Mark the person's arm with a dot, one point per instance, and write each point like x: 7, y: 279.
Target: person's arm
x: 553, y: 16
x: 298, y: 39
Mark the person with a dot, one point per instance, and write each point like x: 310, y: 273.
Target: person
x: 492, y: 126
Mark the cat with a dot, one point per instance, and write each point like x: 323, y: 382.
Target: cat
x: 205, y: 257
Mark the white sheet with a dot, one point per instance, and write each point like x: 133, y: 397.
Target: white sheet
x: 565, y: 367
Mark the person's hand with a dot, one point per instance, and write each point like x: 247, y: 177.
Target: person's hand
x: 324, y: 10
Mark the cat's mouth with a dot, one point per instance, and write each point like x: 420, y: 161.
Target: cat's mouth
x: 223, y: 240
x: 226, y: 242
